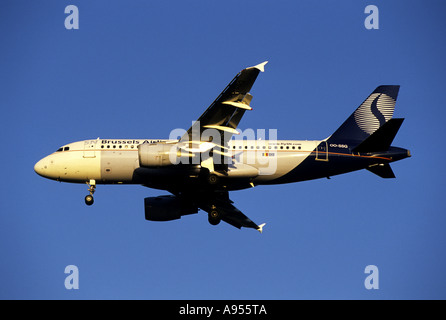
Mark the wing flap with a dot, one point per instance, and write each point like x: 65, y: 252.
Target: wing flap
x: 222, y: 128
x: 238, y: 105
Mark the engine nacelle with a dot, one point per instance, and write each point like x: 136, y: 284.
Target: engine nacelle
x: 166, y: 208
x: 157, y: 155
x: 241, y: 170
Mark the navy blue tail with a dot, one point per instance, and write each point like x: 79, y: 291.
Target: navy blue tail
x: 370, y: 116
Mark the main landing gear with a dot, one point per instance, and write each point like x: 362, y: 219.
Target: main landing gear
x: 213, y: 179
x: 214, y: 216
x: 91, y: 188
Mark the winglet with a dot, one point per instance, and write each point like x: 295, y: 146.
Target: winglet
x: 260, y: 228
x: 260, y: 66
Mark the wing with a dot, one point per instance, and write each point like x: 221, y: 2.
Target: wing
x: 229, y: 213
x: 236, y: 218
x: 219, y: 122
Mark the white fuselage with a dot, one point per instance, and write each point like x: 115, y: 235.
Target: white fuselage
x: 109, y: 161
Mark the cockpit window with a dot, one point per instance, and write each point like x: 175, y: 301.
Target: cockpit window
x: 60, y: 149
x: 66, y: 148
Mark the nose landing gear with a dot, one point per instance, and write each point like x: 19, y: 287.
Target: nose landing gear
x: 89, y: 200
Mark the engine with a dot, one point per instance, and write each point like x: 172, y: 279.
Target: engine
x: 157, y: 155
x: 166, y: 208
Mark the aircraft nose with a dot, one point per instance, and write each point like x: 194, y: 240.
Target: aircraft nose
x: 47, y: 168
x: 40, y: 167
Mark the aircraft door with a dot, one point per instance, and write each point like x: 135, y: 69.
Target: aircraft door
x: 90, y: 148
x: 322, y: 151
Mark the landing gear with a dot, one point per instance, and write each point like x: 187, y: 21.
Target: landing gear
x: 214, y: 217
x: 213, y: 179
x: 89, y: 200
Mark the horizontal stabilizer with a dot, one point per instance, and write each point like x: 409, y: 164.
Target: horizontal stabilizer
x: 382, y: 170
x: 382, y: 138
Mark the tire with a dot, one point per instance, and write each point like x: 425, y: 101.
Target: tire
x: 213, y: 179
x: 89, y: 200
x: 214, y: 217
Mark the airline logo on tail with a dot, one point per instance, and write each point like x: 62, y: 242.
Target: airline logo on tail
x: 376, y: 110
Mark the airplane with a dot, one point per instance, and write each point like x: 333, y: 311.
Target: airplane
x: 199, y: 167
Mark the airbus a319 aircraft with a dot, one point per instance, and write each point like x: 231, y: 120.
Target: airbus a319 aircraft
x: 201, y: 166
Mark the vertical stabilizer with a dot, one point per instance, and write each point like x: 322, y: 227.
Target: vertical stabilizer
x: 373, y: 113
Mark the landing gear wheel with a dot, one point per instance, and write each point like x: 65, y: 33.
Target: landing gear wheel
x: 212, y: 179
x: 91, y: 188
x: 214, y: 217
x: 89, y: 200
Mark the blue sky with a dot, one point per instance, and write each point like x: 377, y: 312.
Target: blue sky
x: 138, y: 69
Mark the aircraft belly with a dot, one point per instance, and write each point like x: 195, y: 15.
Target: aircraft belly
x: 313, y: 168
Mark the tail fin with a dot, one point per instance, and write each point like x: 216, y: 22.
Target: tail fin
x: 371, y: 115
